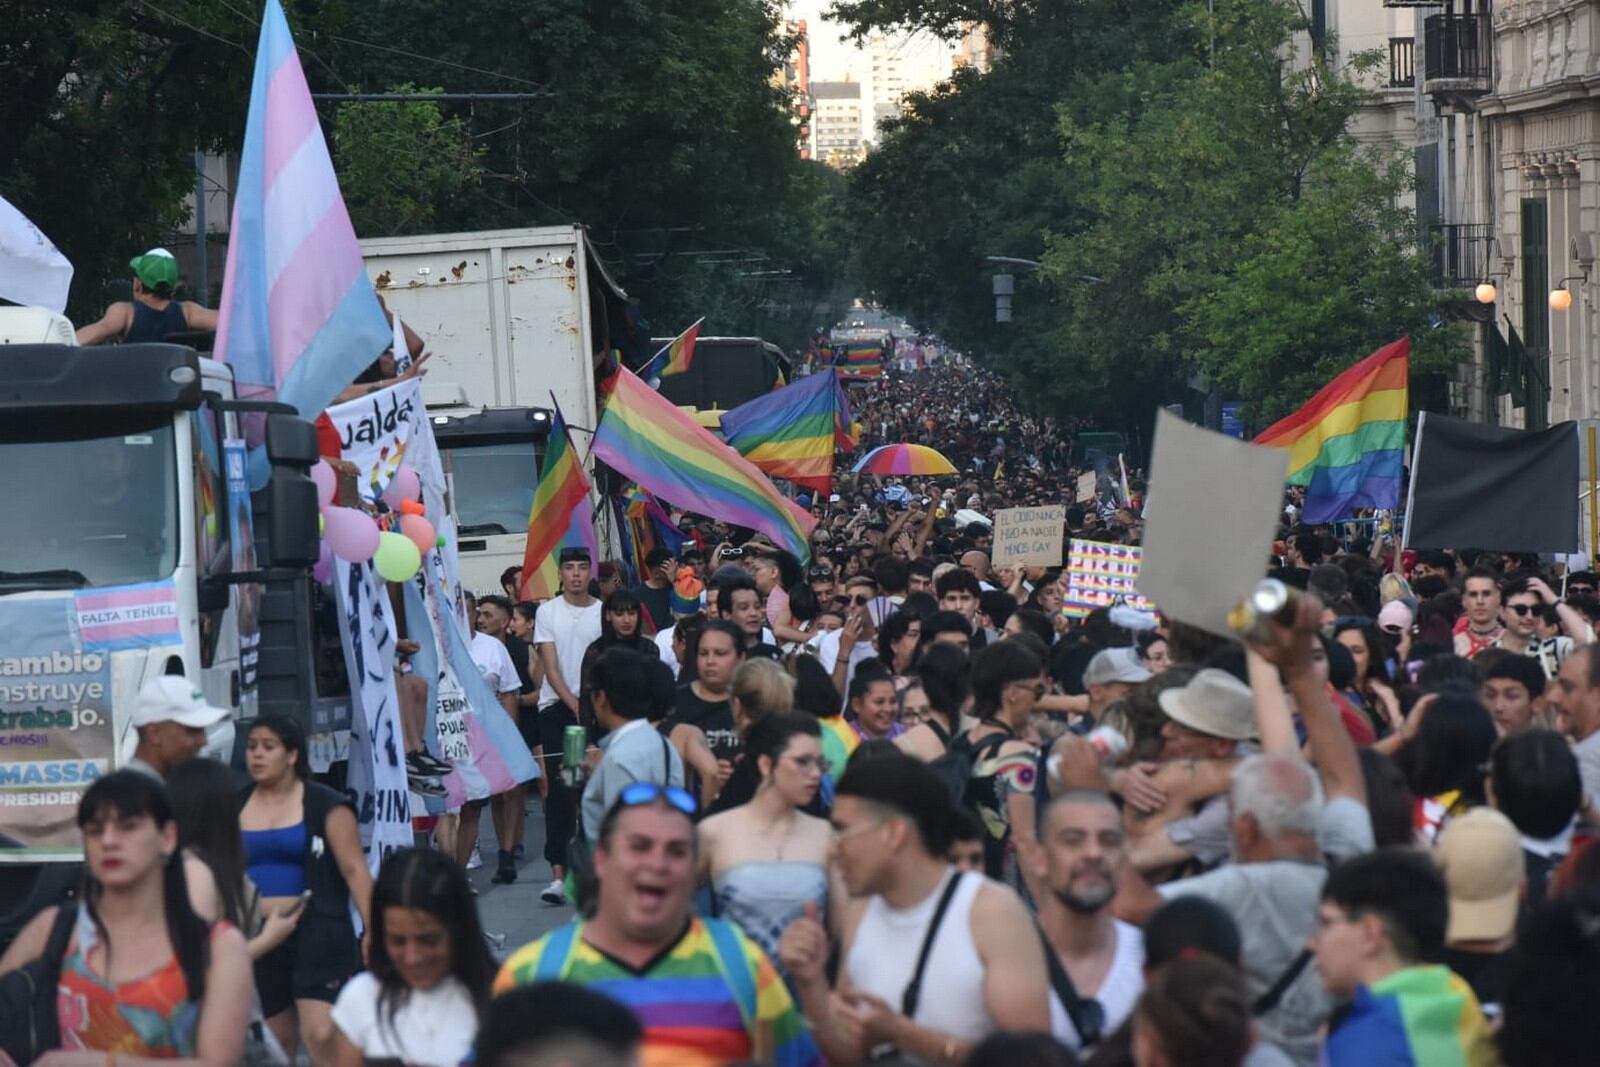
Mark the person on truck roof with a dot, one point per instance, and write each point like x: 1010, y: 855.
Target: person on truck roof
x: 171, y: 717
x: 152, y: 314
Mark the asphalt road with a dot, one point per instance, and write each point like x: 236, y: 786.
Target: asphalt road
x: 512, y: 915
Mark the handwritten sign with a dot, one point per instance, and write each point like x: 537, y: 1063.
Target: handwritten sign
x: 1029, y: 537
x: 1101, y: 575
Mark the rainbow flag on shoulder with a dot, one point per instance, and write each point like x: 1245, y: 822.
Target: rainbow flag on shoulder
x: 792, y: 431
x: 562, y: 515
x: 1347, y: 445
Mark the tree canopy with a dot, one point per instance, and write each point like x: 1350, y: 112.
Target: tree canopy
x: 1189, y: 185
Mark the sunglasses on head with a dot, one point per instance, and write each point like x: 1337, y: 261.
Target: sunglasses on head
x: 641, y: 793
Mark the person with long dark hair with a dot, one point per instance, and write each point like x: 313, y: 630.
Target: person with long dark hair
x: 205, y: 801
x: 301, y: 839
x: 143, y: 977
x: 943, y: 672
x: 1372, y: 685
x: 428, y: 971
x: 1444, y: 758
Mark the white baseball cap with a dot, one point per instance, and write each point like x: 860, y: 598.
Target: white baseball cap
x: 173, y: 698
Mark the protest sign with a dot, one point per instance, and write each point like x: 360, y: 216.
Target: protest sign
x: 1100, y: 575
x: 1207, y: 539
x: 1028, y: 537
x: 55, y: 723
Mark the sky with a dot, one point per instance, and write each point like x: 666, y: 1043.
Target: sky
x: 831, y: 58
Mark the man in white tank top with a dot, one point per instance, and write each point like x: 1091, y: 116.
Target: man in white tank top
x: 1077, y: 859
x: 984, y: 967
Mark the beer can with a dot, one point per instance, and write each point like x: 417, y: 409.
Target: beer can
x: 574, y: 741
x: 1269, y: 601
x: 1108, y: 742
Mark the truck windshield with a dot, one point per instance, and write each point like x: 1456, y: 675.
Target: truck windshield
x: 89, y: 500
x: 493, y: 485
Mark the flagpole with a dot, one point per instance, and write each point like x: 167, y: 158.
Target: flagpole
x: 1411, y: 491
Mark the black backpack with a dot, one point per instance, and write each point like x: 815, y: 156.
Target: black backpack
x: 961, y: 755
x: 28, y: 1025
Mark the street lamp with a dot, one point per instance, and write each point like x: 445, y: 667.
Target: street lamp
x: 1561, y: 296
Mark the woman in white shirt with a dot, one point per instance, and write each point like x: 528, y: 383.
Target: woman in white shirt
x: 429, y: 969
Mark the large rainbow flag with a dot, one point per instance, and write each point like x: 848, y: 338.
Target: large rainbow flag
x: 859, y: 359
x: 1347, y: 444
x: 647, y: 438
x: 562, y: 515
x: 299, y: 319
x: 679, y: 352
x: 792, y: 431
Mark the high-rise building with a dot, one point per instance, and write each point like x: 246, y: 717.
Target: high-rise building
x: 837, y: 123
x: 797, y: 84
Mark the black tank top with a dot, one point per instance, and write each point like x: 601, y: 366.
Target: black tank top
x: 152, y: 325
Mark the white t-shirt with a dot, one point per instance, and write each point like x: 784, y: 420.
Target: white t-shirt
x: 572, y: 630
x: 489, y: 655
x: 1118, y: 993
x: 828, y: 654
x: 432, y: 1028
x: 663, y: 641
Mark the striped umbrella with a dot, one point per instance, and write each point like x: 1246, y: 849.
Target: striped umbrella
x: 903, y: 459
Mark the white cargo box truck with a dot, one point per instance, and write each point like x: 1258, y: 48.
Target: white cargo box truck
x: 511, y: 317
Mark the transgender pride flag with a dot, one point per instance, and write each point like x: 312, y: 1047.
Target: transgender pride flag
x: 299, y: 319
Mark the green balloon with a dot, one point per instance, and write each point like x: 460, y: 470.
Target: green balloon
x: 397, y: 558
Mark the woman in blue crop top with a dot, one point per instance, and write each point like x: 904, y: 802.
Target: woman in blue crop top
x: 301, y: 838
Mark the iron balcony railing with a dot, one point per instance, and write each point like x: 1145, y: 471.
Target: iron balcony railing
x: 1457, y: 48
x: 1461, y: 254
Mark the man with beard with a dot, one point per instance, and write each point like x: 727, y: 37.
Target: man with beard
x: 1078, y: 857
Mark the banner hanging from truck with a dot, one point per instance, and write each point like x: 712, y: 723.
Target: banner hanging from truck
x: 377, y: 777
x: 56, y: 735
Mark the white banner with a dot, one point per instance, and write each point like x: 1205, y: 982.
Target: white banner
x: 373, y: 431
x: 32, y: 270
x: 377, y: 778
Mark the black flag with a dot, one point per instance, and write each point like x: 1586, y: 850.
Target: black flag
x: 1492, y: 487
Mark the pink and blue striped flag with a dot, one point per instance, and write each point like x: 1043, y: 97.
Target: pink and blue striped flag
x: 299, y: 318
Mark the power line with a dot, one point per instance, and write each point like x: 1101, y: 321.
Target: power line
x: 438, y: 61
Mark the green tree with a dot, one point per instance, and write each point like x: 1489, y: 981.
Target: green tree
x: 399, y: 163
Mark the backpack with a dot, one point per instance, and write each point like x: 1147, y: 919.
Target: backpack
x: 961, y: 755
x: 28, y: 1023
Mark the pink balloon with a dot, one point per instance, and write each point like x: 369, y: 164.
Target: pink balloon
x: 405, y: 485
x: 327, y: 482
x: 420, y: 531
x: 324, y: 566
x: 351, y: 534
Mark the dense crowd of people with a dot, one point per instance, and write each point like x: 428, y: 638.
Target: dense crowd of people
x: 892, y: 804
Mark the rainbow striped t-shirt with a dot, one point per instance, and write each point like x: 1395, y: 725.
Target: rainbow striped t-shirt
x: 690, y: 1013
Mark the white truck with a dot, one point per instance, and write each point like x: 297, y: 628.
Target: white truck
x: 512, y: 317
x: 130, y: 549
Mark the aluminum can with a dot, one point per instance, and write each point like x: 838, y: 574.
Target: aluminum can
x: 1108, y: 742
x: 574, y: 742
x: 1270, y: 601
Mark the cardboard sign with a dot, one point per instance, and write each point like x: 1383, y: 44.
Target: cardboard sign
x: 1217, y: 503
x: 1101, y: 575
x: 1028, y: 537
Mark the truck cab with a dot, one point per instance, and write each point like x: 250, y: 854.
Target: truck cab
x: 133, y: 548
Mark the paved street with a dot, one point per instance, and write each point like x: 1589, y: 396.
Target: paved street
x: 513, y: 915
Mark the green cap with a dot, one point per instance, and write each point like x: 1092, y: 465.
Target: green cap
x: 155, y: 268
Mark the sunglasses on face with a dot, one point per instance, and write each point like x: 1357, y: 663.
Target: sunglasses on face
x: 641, y: 793
x: 1521, y: 609
x: 860, y: 599
x: 1580, y: 590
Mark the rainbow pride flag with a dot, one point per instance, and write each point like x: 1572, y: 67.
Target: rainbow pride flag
x: 791, y: 432
x: 859, y: 359
x: 678, y: 352
x: 299, y: 319
x: 562, y: 515
x: 1347, y: 444
x: 647, y: 438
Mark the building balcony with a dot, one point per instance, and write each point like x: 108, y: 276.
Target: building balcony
x: 1458, y: 55
x: 1402, y: 62
x: 1461, y: 253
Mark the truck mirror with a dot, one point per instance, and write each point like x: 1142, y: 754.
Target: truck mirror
x: 291, y: 441
x: 292, y: 535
